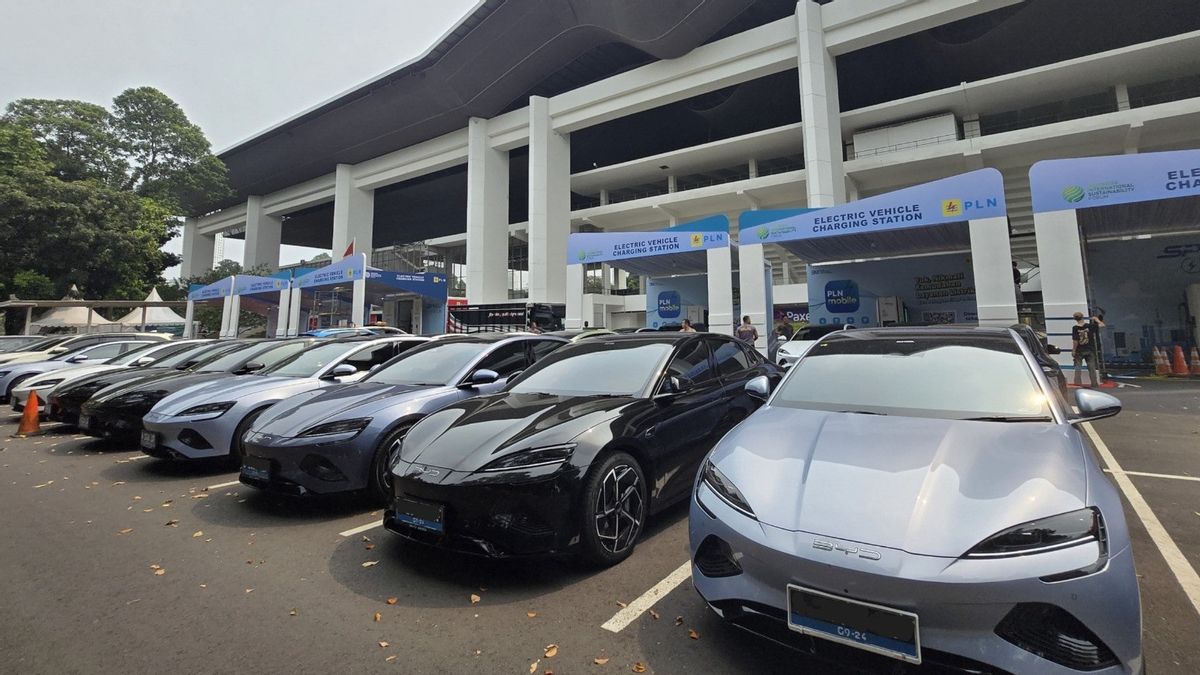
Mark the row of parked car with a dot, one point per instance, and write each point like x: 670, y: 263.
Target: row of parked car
x: 923, y: 494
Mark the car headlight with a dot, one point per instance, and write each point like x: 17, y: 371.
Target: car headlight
x: 44, y: 383
x: 339, y: 427
x: 725, y: 489
x: 207, y: 409
x: 1045, y: 534
x: 548, y: 455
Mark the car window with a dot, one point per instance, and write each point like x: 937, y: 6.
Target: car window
x: 752, y: 354
x: 366, y: 359
x: 691, y: 361
x: 197, y: 354
x: 506, y: 359
x: 433, y: 363
x: 730, y: 357
x: 541, y: 348
x: 593, y: 368
x: 946, y: 377
x: 267, y: 354
x: 309, y: 362
x: 107, y: 351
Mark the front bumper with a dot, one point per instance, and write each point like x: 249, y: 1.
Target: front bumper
x: 187, y: 438
x: 960, y: 603
x: 122, y: 423
x: 489, y: 515
x: 303, y: 466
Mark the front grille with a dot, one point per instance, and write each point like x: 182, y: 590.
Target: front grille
x: 1055, y: 635
x: 714, y: 558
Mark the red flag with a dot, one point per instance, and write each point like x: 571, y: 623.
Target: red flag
x: 349, y: 250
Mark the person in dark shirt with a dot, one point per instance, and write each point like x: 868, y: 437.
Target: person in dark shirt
x: 1085, y: 335
x: 785, y: 331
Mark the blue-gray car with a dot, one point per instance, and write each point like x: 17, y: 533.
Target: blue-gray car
x: 208, y: 420
x: 923, y: 495
x: 346, y: 438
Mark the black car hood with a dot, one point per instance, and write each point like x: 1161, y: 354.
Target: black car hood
x: 468, y: 435
x: 99, y: 381
x: 361, y: 399
x: 152, y: 388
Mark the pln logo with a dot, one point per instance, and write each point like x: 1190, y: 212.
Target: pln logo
x: 763, y: 232
x: 581, y: 256
x: 670, y: 304
x: 842, y: 297
x: 349, y: 272
x: 697, y: 240
x: 1073, y: 194
x: 952, y: 207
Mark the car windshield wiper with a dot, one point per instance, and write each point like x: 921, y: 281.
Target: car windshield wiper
x: 1007, y: 418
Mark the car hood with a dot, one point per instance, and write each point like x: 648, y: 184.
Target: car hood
x: 468, y: 435
x: 363, y: 399
x: 35, y: 367
x: 795, y: 347
x: 155, y: 387
x: 22, y: 357
x: 925, y: 486
x: 228, y: 389
x: 73, y: 374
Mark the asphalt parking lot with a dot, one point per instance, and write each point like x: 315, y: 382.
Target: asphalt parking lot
x: 115, y: 562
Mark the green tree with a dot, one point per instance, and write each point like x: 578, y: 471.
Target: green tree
x: 77, y: 136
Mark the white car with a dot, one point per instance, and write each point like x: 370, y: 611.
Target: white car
x: 12, y: 374
x: 53, y: 346
x: 140, y: 357
x: 790, y: 352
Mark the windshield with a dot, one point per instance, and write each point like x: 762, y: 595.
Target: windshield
x: 267, y: 354
x: 943, y: 377
x: 592, y: 368
x: 196, y: 354
x: 42, y: 345
x: 310, y: 361
x: 436, y: 364
x: 155, y: 349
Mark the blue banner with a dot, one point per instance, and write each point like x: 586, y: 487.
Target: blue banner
x: 698, y: 235
x: 217, y: 289
x: 428, y: 284
x: 248, y: 284
x: 347, y: 270
x: 1062, y: 184
x: 978, y: 194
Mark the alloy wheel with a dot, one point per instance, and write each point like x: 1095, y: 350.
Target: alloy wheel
x: 619, y: 509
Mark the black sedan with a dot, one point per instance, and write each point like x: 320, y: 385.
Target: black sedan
x: 578, y: 451
x: 117, y: 411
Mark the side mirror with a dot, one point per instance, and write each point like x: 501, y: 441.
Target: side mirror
x: 342, y: 370
x: 674, y: 386
x: 1053, y: 350
x: 144, y: 361
x: 78, y: 358
x: 1094, y: 405
x: 253, y: 367
x: 57, y: 350
x: 480, y: 377
x: 759, y: 388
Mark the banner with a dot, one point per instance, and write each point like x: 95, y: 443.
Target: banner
x: 699, y: 235
x: 341, y: 272
x: 248, y: 284
x: 935, y: 289
x: 670, y: 300
x: 968, y: 196
x: 425, y: 284
x: 1062, y: 184
x: 217, y: 289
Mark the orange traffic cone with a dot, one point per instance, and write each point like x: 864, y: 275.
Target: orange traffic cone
x: 1161, y: 367
x: 1179, y: 365
x: 30, y: 421
x: 1195, y: 361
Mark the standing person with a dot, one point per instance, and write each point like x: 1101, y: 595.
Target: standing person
x: 1017, y: 277
x: 785, y: 330
x: 687, y: 327
x: 746, y: 332
x: 533, y: 327
x: 1083, y: 348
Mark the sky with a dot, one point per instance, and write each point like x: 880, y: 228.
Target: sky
x: 236, y: 67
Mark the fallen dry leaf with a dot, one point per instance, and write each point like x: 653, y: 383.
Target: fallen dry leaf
x: 533, y: 666
x: 621, y: 604
x: 600, y: 660
x: 293, y: 612
x: 120, y: 482
x: 378, y: 617
x: 168, y: 503
x: 639, y: 667
x: 531, y: 614
x: 370, y: 563
x: 390, y: 658
x: 693, y: 634
x: 654, y: 615
x: 197, y: 534
x: 383, y: 643
x: 475, y: 599
x: 147, y: 510
x: 155, y: 566
x: 137, y: 498
x: 249, y: 590
x: 551, y: 650
x: 201, y: 495
x: 392, y: 601
x: 125, y: 531
x: 368, y: 546
x: 679, y: 621
x: 171, y: 523
x: 159, y: 572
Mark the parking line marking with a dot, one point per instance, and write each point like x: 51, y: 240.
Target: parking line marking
x: 218, y: 486
x: 633, y: 610
x: 139, y: 456
x: 1155, y: 475
x: 360, y: 529
x: 1184, y: 573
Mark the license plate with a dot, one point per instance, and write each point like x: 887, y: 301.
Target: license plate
x: 867, y: 626
x: 149, y: 440
x: 256, y: 468
x: 421, y: 515
x: 85, y: 422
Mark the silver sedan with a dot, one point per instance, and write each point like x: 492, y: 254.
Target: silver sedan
x: 209, y: 419
x: 924, y: 495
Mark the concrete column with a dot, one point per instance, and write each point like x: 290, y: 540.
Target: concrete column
x: 604, y: 198
x: 353, y: 214
x: 753, y: 281
x: 574, y: 296
x: 359, y: 308
x: 264, y: 234
x: 294, y: 306
x: 229, y: 312
x: 189, y: 320
x: 487, y: 217
x: 720, y: 290
x: 622, y: 280
x: 197, y: 250
x: 991, y: 258
x: 549, y: 204
x: 819, y: 110
x: 752, y: 167
x: 1064, y: 287
x: 971, y: 127
x: 1121, y: 91
x: 672, y: 184
x: 284, y: 313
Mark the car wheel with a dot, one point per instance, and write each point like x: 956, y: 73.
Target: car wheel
x: 614, y: 510
x: 381, y: 466
x: 237, y: 449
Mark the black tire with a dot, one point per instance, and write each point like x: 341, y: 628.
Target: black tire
x: 237, y: 449
x: 613, y: 510
x: 380, y: 482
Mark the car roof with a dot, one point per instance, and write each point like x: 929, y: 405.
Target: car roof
x: 671, y: 336
x: 894, y: 332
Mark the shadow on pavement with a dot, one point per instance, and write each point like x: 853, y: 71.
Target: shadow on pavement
x: 246, y: 507
x: 150, y: 470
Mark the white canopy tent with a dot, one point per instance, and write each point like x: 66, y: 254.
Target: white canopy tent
x: 152, y: 316
x: 68, y: 317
